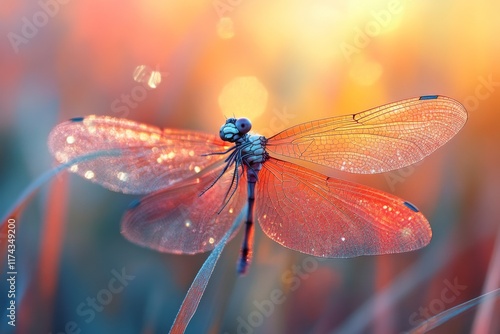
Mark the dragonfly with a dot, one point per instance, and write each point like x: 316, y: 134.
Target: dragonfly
x: 196, y: 184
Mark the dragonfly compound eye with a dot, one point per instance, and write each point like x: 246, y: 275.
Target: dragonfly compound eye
x: 243, y: 125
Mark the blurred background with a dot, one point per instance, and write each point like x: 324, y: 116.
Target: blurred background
x: 188, y: 64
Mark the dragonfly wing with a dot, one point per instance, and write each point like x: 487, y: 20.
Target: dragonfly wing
x: 178, y: 220
x: 314, y: 214
x: 149, y: 158
x: 377, y: 140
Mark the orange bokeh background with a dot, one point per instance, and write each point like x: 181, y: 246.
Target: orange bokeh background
x: 280, y: 63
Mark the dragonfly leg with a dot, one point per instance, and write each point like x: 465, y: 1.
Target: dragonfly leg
x: 235, y: 181
x: 218, y: 153
x: 229, y: 162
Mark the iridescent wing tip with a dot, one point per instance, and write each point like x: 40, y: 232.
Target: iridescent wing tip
x: 428, y: 97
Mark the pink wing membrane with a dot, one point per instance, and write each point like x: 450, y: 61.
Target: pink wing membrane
x: 377, y: 140
x: 314, y: 214
x: 150, y: 158
x: 178, y: 220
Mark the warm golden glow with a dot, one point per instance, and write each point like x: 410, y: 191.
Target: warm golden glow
x: 280, y: 63
x: 243, y: 96
x: 225, y: 28
x: 365, y: 72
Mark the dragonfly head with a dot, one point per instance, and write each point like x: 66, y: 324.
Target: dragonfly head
x: 234, y: 129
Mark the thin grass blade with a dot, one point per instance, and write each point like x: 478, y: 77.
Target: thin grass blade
x: 449, y: 314
x: 195, y: 292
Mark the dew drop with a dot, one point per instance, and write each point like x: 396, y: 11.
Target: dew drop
x: 143, y: 136
x: 61, y: 157
x: 406, y: 232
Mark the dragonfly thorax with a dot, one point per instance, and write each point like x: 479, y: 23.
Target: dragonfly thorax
x: 253, y: 148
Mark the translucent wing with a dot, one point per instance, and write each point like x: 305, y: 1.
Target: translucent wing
x: 178, y: 220
x: 197, y: 288
x: 150, y: 159
x: 377, y: 140
x: 314, y: 214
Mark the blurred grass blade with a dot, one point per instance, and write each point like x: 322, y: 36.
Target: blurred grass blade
x: 16, y: 208
x: 197, y: 288
x: 444, y: 316
x: 483, y: 321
